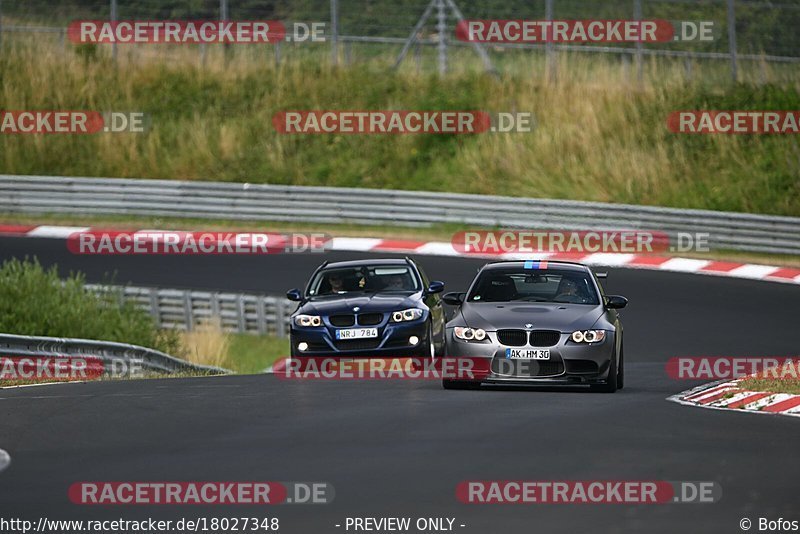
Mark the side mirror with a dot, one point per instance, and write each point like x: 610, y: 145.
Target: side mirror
x: 616, y: 302
x: 454, y: 299
x: 436, y: 287
x: 294, y: 294
x: 601, y: 276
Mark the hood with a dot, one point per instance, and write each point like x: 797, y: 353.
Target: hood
x: 549, y: 316
x: 368, y: 302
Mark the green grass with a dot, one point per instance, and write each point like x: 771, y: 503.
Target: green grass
x: 598, y: 136
x: 248, y: 354
x: 771, y: 385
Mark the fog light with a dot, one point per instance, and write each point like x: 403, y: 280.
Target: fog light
x: 302, y: 346
x: 413, y: 340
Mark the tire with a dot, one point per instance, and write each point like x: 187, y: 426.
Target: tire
x: 431, y: 342
x: 611, y: 382
x: 621, y: 370
x: 427, y: 350
x: 460, y: 384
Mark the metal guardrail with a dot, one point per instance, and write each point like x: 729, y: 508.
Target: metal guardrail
x: 114, y: 355
x: 186, y: 310
x: 242, y: 201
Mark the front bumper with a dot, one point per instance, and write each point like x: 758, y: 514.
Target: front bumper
x: 392, y: 341
x: 570, y: 363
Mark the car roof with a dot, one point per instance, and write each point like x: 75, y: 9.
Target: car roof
x: 359, y: 263
x: 537, y: 265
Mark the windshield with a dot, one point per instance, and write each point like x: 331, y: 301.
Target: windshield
x: 364, y: 278
x: 519, y: 284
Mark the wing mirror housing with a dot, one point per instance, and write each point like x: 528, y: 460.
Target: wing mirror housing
x: 616, y: 302
x: 294, y: 294
x: 435, y: 287
x: 454, y: 299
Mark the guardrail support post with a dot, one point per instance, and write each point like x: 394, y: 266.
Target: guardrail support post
x: 240, y: 314
x: 261, y: 315
x: 155, y: 310
x: 280, y: 318
x: 187, y: 311
x: 215, y: 314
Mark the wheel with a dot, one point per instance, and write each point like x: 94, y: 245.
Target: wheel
x: 427, y: 350
x: 611, y: 383
x: 431, y: 342
x: 621, y: 370
x: 460, y: 384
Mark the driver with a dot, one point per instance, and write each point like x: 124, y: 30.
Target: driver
x: 336, y: 281
x: 396, y: 282
x: 568, y: 288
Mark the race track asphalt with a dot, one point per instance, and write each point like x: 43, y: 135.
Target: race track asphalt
x: 400, y: 448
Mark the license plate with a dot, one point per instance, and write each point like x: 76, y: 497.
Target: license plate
x: 528, y: 354
x: 356, y: 333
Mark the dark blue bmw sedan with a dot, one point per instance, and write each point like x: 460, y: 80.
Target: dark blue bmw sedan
x: 370, y: 308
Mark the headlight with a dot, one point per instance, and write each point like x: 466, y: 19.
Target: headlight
x: 588, y: 336
x: 470, y: 334
x: 308, y: 320
x: 410, y: 314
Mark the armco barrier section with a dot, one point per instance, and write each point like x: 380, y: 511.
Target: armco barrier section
x: 258, y: 202
x: 120, y: 354
x: 185, y: 309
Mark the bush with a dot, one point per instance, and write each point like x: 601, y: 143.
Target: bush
x: 36, y: 302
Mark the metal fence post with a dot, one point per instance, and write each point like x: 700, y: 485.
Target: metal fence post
x: 550, y: 64
x: 113, y: 20
x: 334, y: 32
x: 637, y: 15
x: 732, y: 40
x: 223, y: 16
x: 441, y: 29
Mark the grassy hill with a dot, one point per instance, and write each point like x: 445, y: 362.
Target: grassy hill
x: 599, y: 136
